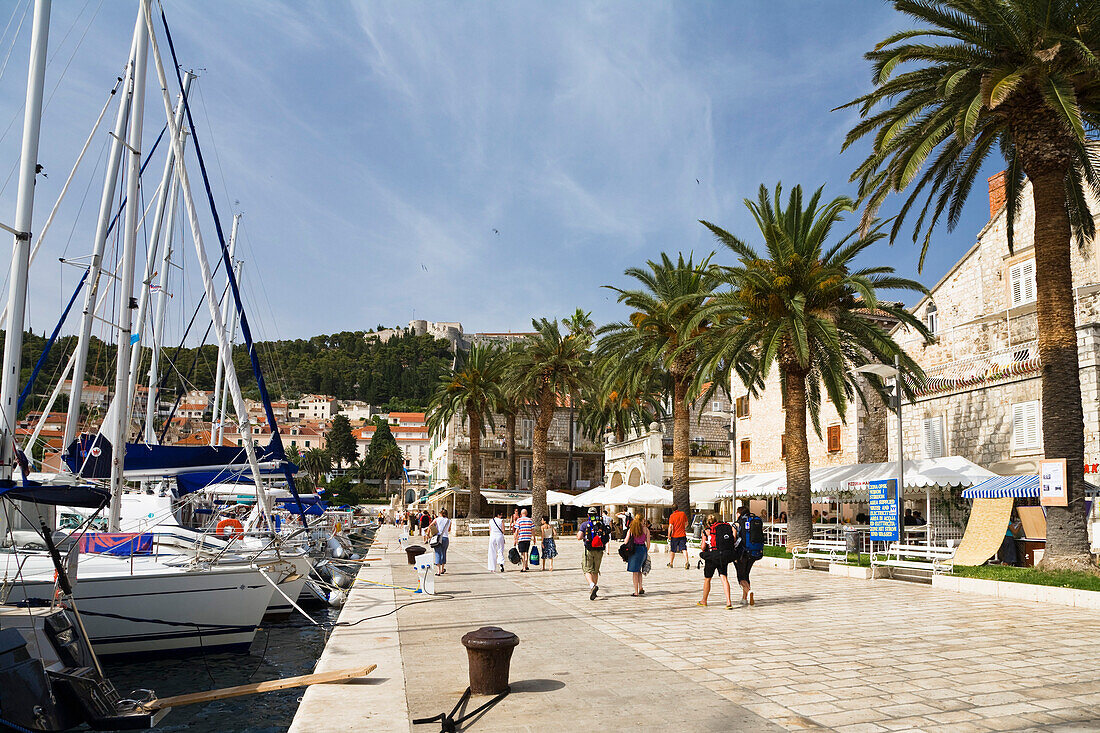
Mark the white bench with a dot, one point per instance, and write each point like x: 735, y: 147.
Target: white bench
x: 477, y: 527
x: 826, y: 550
x: 932, y: 559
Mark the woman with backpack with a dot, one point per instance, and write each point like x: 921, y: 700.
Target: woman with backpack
x: 637, y: 537
x: 716, y: 551
x: 750, y: 545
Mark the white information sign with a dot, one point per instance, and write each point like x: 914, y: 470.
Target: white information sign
x: 1052, y: 483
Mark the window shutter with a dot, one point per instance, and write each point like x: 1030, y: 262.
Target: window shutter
x: 1025, y: 425
x: 833, y: 438
x: 1027, y: 276
x: 933, y: 437
x: 745, y: 451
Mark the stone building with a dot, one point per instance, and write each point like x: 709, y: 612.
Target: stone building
x: 981, y: 398
x: 453, y: 448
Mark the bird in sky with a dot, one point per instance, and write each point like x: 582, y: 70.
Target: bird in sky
x: 496, y: 231
x: 697, y: 181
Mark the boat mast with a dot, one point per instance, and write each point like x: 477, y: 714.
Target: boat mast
x: 162, y: 303
x: 24, y: 210
x: 239, y: 267
x: 126, y: 290
x: 232, y: 385
x: 215, y: 426
x: 154, y: 248
x: 106, y: 206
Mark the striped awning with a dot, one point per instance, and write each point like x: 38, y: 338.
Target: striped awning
x: 1002, y: 487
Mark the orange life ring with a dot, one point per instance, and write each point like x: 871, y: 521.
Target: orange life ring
x: 237, y: 529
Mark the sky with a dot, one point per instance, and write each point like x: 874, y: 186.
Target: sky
x: 478, y: 162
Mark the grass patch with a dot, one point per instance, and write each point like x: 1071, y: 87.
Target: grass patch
x: 1034, y: 576
x: 775, y: 551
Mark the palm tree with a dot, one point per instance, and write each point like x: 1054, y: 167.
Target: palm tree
x: 362, y: 471
x: 623, y: 398
x: 1024, y: 76
x: 802, y: 305
x: 664, y: 332
x: 512, y: 402
x: 316, y: 462
x: 469, y: 391
x: 388, y: 461
x: 548, y: 367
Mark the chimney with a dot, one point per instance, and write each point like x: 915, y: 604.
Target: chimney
x: 996, y: 193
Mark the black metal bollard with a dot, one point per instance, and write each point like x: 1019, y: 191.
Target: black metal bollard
x: 413, y: 551
x: 490, y: 655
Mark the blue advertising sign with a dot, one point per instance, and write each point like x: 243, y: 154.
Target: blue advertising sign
x: 884, y: 510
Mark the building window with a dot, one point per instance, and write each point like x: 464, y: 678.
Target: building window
x: 307, y: 444
x: 933, y: 437
x: 932, y: 319
x: 1021, y: 282
x: 525, y: 469
x: 716, y: 406
x: 576, y: 471
x: 746, y: 451
x: 783, y: 447
x: 833, y: 438
x: 526, y: 432
x: 743, y: 406
x: 1025, y: 425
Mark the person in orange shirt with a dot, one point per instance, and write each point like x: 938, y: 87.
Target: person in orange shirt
x: 677, y: 538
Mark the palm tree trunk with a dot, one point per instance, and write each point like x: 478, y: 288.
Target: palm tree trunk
x: 800, y: 528
x: 681, y: 437
x: 1063, y: 419
x: 510, y: 448
x: 475, y: 465
x: 540, y: 451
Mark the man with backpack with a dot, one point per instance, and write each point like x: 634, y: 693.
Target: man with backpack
x: 718, y: 551
x: 750, y: 548
x: 595, y: 536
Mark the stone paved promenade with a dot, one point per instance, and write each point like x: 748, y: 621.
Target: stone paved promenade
x: 817, y: 652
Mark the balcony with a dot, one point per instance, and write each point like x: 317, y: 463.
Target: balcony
x: 989, y: 368
x: 701, y: 448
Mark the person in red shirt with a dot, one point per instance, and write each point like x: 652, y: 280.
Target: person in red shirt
x: 677, y: 538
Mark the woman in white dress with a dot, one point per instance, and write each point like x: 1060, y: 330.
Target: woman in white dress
x: 496, y: 542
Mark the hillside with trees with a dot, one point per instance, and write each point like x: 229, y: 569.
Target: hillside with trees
x: 399, y: 374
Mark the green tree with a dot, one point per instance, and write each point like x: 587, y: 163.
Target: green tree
x: 316, y: 463
x: 800, y: 304
x: 1022, y: 76
x: 548, y: 366
x: 469, y: 391
x: 663, y: 331
x: 340, y: 443
x: 388, y: 461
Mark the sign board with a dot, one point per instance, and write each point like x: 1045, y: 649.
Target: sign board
x: 583, y: 483
x: 1052, y: 483
x: 883, y: 496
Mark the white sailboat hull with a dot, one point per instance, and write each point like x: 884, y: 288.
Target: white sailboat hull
x: 157, y: 609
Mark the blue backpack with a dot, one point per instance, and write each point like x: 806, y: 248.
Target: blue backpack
x: 750, y: 535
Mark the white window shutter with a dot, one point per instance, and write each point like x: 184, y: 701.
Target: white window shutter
x: 1027, y: 275
x: 1025, y: 425
x: 933, y: 437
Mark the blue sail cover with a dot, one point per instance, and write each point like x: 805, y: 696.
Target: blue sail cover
x: 90, y: 456
x: 187, y: 483
x: 86, y: 496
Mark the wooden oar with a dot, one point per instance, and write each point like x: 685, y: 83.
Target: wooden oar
x: 270, y: 686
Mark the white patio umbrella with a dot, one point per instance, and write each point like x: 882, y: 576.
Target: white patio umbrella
x: 642, y: 495
x: 592, y: 497
x: 553, y: 498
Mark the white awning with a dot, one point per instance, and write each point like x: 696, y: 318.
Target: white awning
x: 643, y: 495
x: 592, y: 497
x: 921, y: 473
x: 553, y: 498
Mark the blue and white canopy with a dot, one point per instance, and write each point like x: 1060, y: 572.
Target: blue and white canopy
x: 1000, y: 487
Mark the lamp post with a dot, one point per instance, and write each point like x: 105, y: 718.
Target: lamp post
x: 732, y: 432
x: 885, y: 371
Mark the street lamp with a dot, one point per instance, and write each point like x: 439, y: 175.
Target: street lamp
x: 732, y: 431
x: 885, y: 371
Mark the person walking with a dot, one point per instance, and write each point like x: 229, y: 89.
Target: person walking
x: 549, y: 547
x: 442, y: 528
x: 637, y: 538
x: 595, y: 535
x: 425, y: 520
x: 677, y: 538
x: 496, y: 542
x: 750, y: 547
x: 717, y: 550
x: 524, y: 535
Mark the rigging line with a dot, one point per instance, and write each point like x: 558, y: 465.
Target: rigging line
x: 14, y: 11
x: 49, y: 344
x: 214, y: 146
x: 14, y: 36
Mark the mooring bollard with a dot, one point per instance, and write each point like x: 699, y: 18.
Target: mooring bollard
x: 412, y: 551
x: 490, y: 654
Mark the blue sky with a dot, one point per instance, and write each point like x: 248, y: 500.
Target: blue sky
x: 484, y: 162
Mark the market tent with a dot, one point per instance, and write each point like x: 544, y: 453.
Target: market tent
x: 1000, y: 487
x: 592, y: 497
x: 553, y: 498
x: 642, y: 495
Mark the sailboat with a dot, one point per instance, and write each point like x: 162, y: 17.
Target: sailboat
x: 141, y: 603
